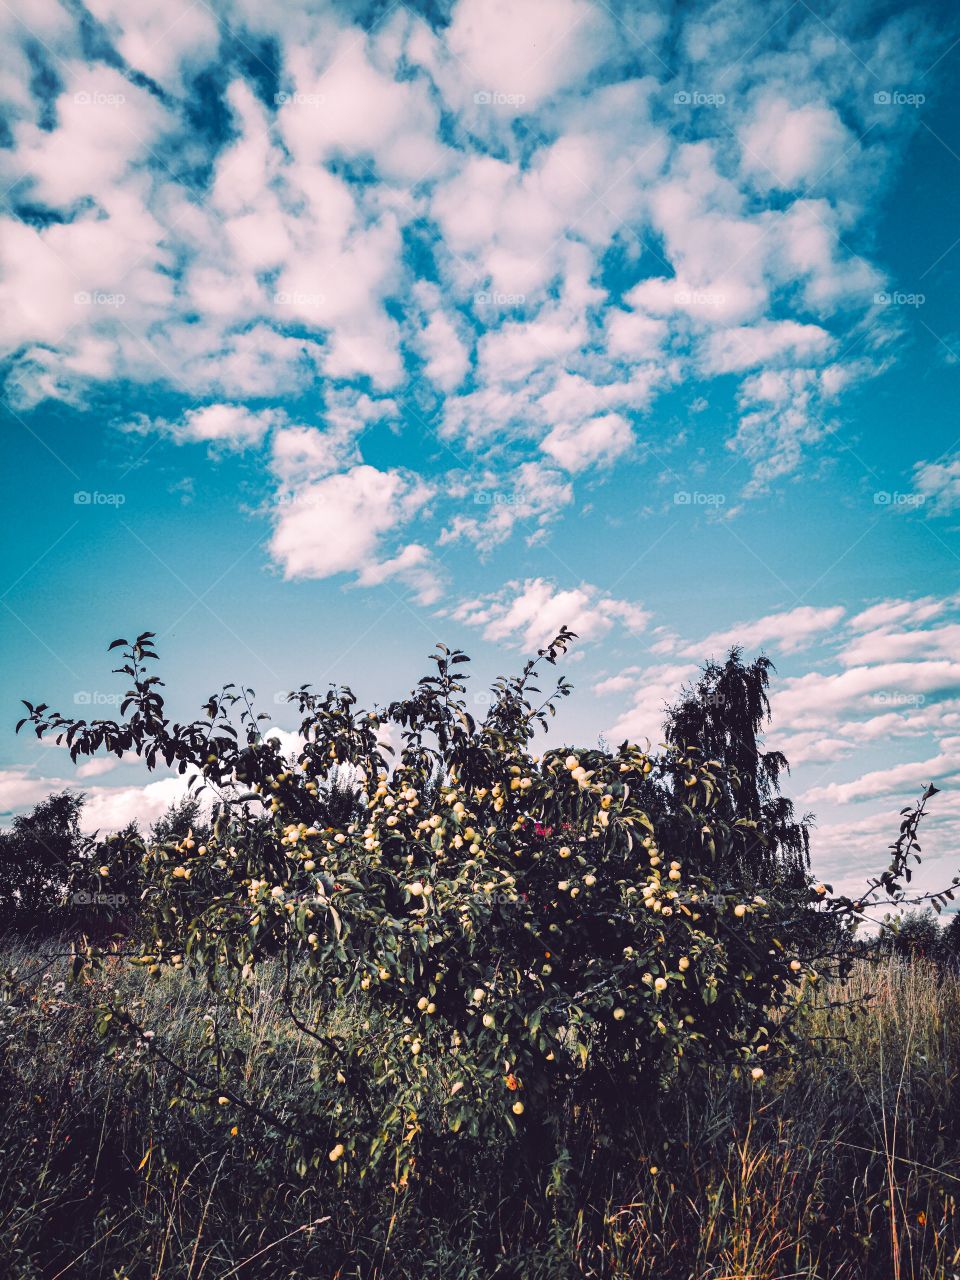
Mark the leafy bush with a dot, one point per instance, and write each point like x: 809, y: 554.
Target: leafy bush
x: 523, y: 939
x: 914, y: 935
x: 37, y: 858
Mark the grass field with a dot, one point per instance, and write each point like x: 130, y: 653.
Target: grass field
x: 847, y: 1166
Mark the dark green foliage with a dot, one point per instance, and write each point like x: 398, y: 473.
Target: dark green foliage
x: 916, y: 936
x: 722, y: 717
x: 38, y: 858
x: 951, y: 939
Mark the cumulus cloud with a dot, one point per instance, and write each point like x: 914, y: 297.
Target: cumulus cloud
x: 436, y: 209
x: 106, y: 808
x: 786, y: 631
x: 901, y: 779
x: 222, y: 426
x: 643, y: 718
x: 599, y: 440
x: 938, y: 484
x: 530, y: 613
x: 336, y: 525
x: 786, y: 146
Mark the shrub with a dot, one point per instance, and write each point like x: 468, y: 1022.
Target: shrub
x: 37, y: 860
x: 523, y: 939
x: 916, y: 935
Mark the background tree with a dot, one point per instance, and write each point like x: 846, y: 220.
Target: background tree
x: 37, y: 859
x: 722, y: 717
x: 951, y: 939
x: 917, y: 936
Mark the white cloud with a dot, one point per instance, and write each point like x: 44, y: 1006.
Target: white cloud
x: 337, y: 524
x: 734, y: 350
x: 643, y: 719
x: 225, y: 426
x: 787, y: 631
x: 388, y: 217
x: 531, y: 495
x: 616, y: 684
x: 530, y: 613
x: 896, y: 646
x: 526, y: 51
x: 889, y: 612
x: 938, y: 483
x: 786, y: 146
x: 105, y: 809
x: 594, y: 442
x: 812, y: 700
x: 899, y: 780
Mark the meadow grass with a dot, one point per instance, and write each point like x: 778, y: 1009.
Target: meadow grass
x: 847, y: 1165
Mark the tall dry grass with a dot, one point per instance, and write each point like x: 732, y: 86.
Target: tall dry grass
x: 846, y: 1166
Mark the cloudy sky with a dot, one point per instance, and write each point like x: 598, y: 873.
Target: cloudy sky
x: 333, y: 330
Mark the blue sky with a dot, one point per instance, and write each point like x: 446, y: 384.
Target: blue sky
x: 332, y: 331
